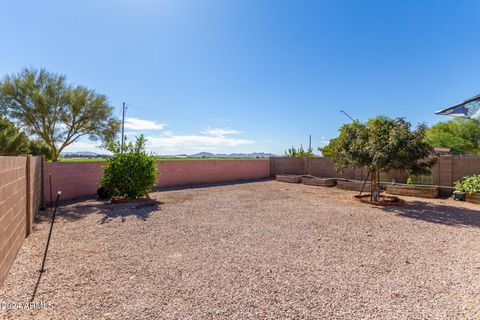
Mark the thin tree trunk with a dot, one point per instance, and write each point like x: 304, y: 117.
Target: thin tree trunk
x: 373, y: 183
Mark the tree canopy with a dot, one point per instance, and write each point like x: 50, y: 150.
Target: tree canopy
x: 462, y: 136
x: 14, y: 142
x: 54, y: 111
x: 381, y: 144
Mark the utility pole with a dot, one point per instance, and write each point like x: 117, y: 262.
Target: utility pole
x: 123, y: 125
x: 310, y: 143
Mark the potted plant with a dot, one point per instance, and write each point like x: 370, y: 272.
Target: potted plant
x: 459, y: 192
x: 471, y: 186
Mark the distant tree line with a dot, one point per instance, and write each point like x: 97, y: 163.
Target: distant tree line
x: 462, y: 136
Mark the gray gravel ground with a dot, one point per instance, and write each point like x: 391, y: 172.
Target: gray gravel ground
x: 263, y: 250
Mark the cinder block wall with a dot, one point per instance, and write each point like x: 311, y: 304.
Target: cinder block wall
x: 76, y: 179
x: 446, y: 171
x: 187, y: 172
x: 464, y: 166
x: 19, y: 202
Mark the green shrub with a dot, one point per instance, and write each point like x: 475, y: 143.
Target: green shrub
x: 410, y: 181
x: 298, y: 153
x: 469, y: 184
x: 129, y: 174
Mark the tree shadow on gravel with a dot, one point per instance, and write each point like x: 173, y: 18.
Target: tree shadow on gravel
x: 140, y: 210
x: 437, y: 213
x: 108, y: 211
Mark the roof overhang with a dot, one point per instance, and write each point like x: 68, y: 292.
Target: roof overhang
x: 468, y: 109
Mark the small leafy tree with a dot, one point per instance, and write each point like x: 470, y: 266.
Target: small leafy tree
x: 38, y: 147
x: 381, y: 144
x: 14, y: 142
x: 59, y: 114
x: 298, y: 153
x: 130, y: 173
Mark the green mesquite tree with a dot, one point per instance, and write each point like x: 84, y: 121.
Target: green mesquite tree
x: 59, y: 114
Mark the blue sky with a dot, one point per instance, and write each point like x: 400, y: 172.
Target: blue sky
x: 249, y: 75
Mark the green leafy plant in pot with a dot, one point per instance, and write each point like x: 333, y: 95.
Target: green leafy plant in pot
x: 459, y: 192
x: 468, y: 186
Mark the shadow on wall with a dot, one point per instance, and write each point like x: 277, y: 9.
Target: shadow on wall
x: 108, y: 211
x: 438, y: 213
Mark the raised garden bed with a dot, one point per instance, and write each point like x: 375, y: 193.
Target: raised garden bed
x: 383, y: 200
x: 291, y: 178
x: 316, y: 181
x: 413, y: 191
x: 352, y: 185
x: 473, y: 198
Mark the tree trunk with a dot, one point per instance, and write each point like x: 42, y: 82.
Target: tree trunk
x: 54, y: 154
x: 373, y: 182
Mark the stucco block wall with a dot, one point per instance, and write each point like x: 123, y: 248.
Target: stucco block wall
x: 445, y: 172
x: 74, y: 179
x: 18, y: 206
x: 286, y: 165
x: 77, y: 179
x: 173, y: 173
x: 317, y: 166
x: 465, y: 166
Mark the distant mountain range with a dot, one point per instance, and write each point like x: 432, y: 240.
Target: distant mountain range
x: 89, y: 154
x: 224, y: 155
x: 83, y: 154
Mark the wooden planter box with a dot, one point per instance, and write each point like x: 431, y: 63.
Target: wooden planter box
x: 291, y: 178
x: 316, y: 181
x: 353, y: 185
x: 473, y: 198
x: 413, y: 191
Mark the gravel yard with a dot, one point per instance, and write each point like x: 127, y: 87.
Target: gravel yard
x: 255, y: 250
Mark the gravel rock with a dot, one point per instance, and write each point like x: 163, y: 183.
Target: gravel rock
x: 265, y: 250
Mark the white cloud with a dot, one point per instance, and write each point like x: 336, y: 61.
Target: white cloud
x: 167, y: 142
x: 324, y: 141
x: 209, y: 140
x: 140, y: 124
x: 220, y: 132
x: 194, y: 142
